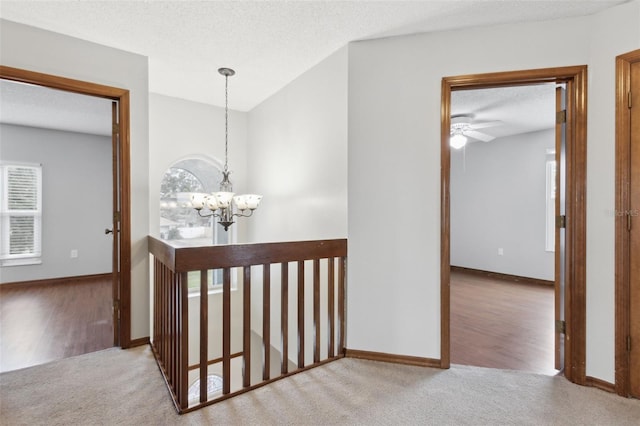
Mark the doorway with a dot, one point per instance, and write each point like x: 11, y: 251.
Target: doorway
x: 121, y: 271
x: 503, y: 196
x: 573, y: 329
x: 627, y: 225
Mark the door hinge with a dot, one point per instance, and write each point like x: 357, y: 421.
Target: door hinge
x: 561, y: 326
x: 628, y: 343
x: 116, y: 307
x: 115, y: 128
x: 561, y: 221
x: 561, y: 116
x: 116, y: 216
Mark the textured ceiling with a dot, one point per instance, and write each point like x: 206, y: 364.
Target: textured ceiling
x: 37, y: 106
x: 268, y: 43
x: 520, y: 109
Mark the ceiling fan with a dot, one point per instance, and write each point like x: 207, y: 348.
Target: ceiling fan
x: 463, y: 128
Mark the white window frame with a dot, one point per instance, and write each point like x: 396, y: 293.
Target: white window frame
x: 551, y: 191
x: 6, y: 258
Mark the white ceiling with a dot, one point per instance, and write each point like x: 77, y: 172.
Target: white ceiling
x: 521, y: 109
x: 35, y: 106
x: 268, y: 43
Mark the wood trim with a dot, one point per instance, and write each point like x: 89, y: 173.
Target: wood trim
x: 226, y: 331
x: 139, y: 342
x: 342, y: 308
x: 301, y: 312
x: 501, y: 276
x: 266, y: 321
x: 622, y: 203
x: 331, y: 315
x: 122, y: 96
x: 55, y: 281
x: 204, y: 331
x: 445, y: 226
x: 316, y: 310
x: 559, y: 354
x: 576, y: 79
x: 246, y: 327
x: 513, y: 78
x: 171, y: 344
x: 600, y: 384
x: 284, y: 317
x: 393, y: 358
x: 181, y: 259
x: 61, y: 83
x: 125, y: 220
x: 576, y: 228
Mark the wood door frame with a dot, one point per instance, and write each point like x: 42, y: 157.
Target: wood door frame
x: 623, y: 200
x: 575, y: 349
x: 122, y: 96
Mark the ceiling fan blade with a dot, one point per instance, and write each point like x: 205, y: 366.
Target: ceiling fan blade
x: 478, y: 135
x: 485, y: 124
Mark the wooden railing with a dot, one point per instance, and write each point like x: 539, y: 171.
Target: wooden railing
x: 319, y: 268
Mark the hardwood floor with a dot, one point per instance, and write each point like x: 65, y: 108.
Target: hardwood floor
x: 501, y: 324
x: 494, y: 323
x: 42, y: 323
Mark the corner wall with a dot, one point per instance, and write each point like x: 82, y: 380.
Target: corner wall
x: 612, y: 33
x: 297, y: 156
x: 34, y: 49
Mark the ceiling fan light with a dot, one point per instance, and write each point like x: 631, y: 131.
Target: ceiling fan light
x: 457, y: 141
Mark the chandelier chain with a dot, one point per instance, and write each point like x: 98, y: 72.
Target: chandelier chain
x: 225, y: 204
x: 226, y: 123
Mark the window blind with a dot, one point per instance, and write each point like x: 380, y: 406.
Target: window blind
x: 21, y: 212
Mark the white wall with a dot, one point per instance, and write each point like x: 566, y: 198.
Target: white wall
x: 43, y: 51
x: 76, y: 168
x: 612, y: 33
x: 298, y: 160
x: 181, y: 129
x: 394, y: 122
x: 498, y: 200
x: 298, y: 156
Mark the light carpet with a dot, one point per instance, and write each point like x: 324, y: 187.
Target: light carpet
x: 125, y: 387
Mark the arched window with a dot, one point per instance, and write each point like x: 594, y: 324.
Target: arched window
x: 180, y: 223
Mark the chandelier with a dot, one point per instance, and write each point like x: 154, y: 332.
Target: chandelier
x: 224, y: 204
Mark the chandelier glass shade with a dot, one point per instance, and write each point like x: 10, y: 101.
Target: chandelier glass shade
x: 225, y: 204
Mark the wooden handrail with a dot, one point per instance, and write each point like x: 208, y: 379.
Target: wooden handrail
x: 184, y: 259
x: 170, y: 341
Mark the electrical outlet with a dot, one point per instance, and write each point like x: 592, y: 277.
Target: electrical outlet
x: 500, y: 251
x: 74, y: 253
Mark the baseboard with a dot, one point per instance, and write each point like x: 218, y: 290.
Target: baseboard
x: 55, y: 281
x: 139, y: 342
x: 500, y: 276
x: 393, y: 358
x: 600, y: 384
